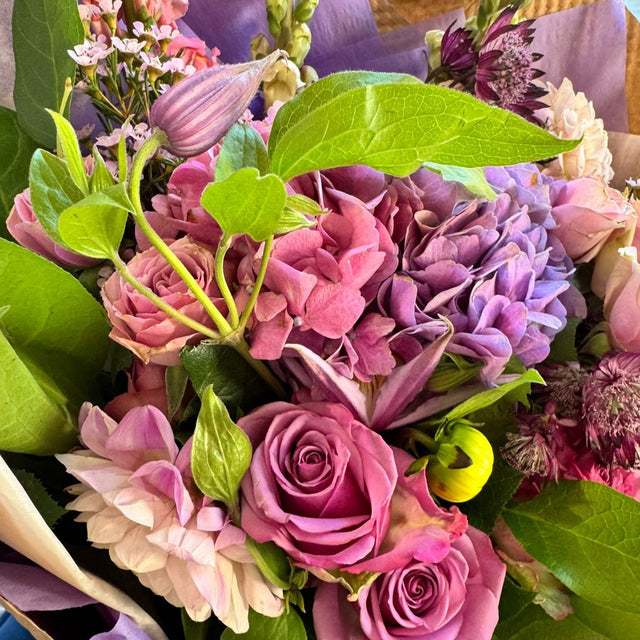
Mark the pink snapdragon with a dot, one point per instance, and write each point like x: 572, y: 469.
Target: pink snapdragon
x: 139, y: 501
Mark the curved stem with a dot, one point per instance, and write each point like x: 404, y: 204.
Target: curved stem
x: 147, y: 150
x: 159, y: 302
x: 244, y: 318
x: 227, y: 296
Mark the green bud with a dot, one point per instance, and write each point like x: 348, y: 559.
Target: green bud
x: 308, y: 74
x: 300, y: 43
x: 462, y: 464
x: 304, y: 10
x: 276, y: 13
x: 433, y: 39
x: 260, y: 47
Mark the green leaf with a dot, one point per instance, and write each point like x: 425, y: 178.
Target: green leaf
x: 305, y: 205
x: 59, y: 334
x: 272, y: 561
x: 246, y: 203
x: 588, y: 535
x: 484, y: 509
x: 31, y: 421
x: 16, y: 149
x: 326, y: 90
x: 397, y: 127
x: 94, y: 226
x: 53, y: 190
x: 474, y: 179
x: 513, y: 599
x: 233, y: 380
x: 290, y: 220
x: 49, y: 509
x: 43, y: 31
x: 101, y: 177
x: 176, y: 379
x: 70, y: 150
x: 563, y: 347
x: 611, y: 623
x: 288, y: 626
x: 534, y: 624
x: 487, y: 398
x: 221, y: 451
x: 242, y: 147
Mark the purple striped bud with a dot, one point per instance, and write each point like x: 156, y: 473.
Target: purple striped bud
x: 199, y: 110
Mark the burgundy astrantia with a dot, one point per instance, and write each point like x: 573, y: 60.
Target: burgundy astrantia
x: 458, y: 57
x: 611, y: 398
x: 505, y: 71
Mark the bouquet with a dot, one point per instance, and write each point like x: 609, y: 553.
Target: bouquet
x: 298, y: 351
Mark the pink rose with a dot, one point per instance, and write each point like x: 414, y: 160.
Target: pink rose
x: 622, y: 302
x: 319, y: 485
x: 588, y: 214
x: 164, y: 11
x: 146, y: 386
x: 145, y: 329
x: 27, y: 230
x: 455, y: 598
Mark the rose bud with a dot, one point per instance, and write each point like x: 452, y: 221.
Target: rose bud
x: 195, y: 113
x: 462, y: 464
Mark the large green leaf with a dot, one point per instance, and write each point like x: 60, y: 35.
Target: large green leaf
x: 588, y: 535
x: 396, y: 127
x: 246, y: 202
x: 242, y: 147
x: 59, y: 335
x: 43, y: 31
x: 16, y: 149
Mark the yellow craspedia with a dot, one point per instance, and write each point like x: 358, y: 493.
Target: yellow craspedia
x: 462, y: 465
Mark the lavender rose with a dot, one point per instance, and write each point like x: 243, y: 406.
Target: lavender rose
x: 145, y: 329
x: 453, y: 599
x: 320, y: 483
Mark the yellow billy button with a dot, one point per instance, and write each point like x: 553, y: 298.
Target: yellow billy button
x: 461, y: 466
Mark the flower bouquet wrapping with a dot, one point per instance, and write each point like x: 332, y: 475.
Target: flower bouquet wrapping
x: 312, y: 332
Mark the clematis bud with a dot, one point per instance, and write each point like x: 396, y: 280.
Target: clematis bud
x: 198, y: 111
x: 462, y: 464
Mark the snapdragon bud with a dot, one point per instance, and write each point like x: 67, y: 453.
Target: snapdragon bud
x: 260, y: 47
x: 281, y: 82
x: 300, y: 43
x: 462, y: 464
x: 276, y: 13
x: 304, y: 10
x: 199, y: 110
x: 308, y: 74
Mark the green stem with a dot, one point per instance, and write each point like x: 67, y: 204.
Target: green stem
x: 146, y: 151
x: 159, y: 302
x: 129, y: 15
x: 236, y: 341
x: 420, y: 436
x: 244, y: 318
x: 227, y: 296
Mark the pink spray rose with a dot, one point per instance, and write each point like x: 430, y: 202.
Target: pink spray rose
x: 588, y: 214
x: 455, y: 598
x: 27, y: 230
x: 145, y: 329
x: 164, y: 11
x: 139, y: 500
x: 319, y: 485
x: 193, y: 51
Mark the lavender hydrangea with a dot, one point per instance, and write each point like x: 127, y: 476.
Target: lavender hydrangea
x: 491, y: 268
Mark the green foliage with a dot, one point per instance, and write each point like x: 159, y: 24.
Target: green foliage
x: 176, y: 379
x: 221, y: 451
x: 272, y: 561
x: 53, y: 190
x: 587, y: 534
x: 474, y: 179
x: 194, y: 630
x: 16, y: 149
x: 48, y: 508
x: 53, y: 348
x: 94, y: 226
x: 43, y: 31
x: 563, y: 346
x: 288, y: 626
x: 70, y: 150
x: 396, y: 127
x: 242, y: 147
x: 233, y: 380
x: 247, y: 203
